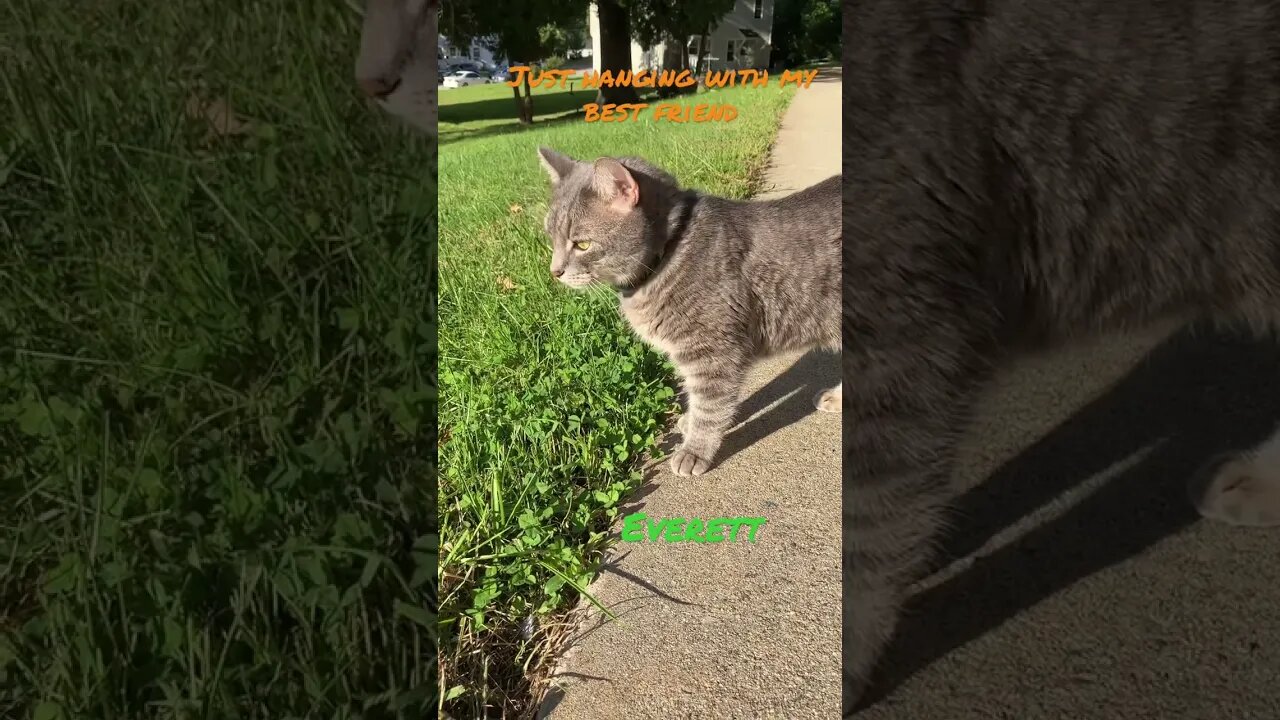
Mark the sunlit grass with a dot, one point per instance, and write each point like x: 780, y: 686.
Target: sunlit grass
x: 548, y: 401
x: 217, y: 397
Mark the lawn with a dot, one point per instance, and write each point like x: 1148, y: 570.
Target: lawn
x: 485, y: 109
x: 217, y: 352
x: 548, y: 402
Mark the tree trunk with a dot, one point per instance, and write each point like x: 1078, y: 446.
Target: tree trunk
x: 702, y: 53
x: 515, y: 92
x: 676, y: 58
x: 528, y: 102
x: 615, y: 50
x: 680, y: 53
x: 524, y: 104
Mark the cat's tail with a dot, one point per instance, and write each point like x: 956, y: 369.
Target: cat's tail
x: 1242, y: 489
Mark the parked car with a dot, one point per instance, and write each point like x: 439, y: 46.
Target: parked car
x: 463, y: 78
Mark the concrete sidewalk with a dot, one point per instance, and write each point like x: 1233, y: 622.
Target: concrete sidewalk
x: 734, y: 630
x: 1079, y: 581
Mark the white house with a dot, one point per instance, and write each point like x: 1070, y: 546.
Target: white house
x: 741, y: 39
x: 480, y: 51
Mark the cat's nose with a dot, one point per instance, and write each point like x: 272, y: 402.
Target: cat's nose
x: 557, y: 273
x: 377, y: 87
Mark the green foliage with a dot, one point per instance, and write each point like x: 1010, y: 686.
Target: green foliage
x: 527, y: 30
x: 806, y: 30
x: 653, y: 21
x: 548, y: 401
x: 217, y: 403
x: 559, y: 40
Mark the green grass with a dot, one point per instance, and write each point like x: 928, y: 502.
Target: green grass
x: 485, y: 109
x: 548, y: 401
x: 217, y: 398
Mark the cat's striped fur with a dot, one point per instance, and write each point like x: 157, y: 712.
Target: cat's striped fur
x: 716, y: 284
x: 1023, y: 172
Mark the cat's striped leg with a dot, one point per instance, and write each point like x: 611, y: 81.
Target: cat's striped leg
x: 897, y: 485
x: 713, y: 383
x: 907, y: 407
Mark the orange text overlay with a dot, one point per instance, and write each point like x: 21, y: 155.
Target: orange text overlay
x: 671, y: 112
x: 650, y: 79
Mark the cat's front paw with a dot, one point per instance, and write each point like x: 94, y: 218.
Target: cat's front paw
x: 829, y: 400
x: 685, y: 463
x: 1243, y: 490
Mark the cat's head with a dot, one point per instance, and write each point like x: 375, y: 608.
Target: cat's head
x: 599, y: 231
x: 397, y: 64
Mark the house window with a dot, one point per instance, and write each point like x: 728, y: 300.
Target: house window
x: 759, y: 9
x: 729, y: 52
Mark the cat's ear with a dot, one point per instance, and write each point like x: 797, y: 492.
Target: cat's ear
x: 616, y: 184
x: 556, y: 164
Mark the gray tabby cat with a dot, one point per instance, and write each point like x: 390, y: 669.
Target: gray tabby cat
x: 1019, y: 173
x: 715, y: 284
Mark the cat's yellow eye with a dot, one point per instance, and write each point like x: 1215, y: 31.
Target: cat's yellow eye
x: 582, y: 245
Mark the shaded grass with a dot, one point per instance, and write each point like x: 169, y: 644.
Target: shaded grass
x: 465, y: 111
x: 548, y: 400
x: 217, y: 404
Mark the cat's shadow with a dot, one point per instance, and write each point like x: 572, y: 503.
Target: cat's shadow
x: 1193, y: 398
x: 791, y: 394
x: 784, y: 400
